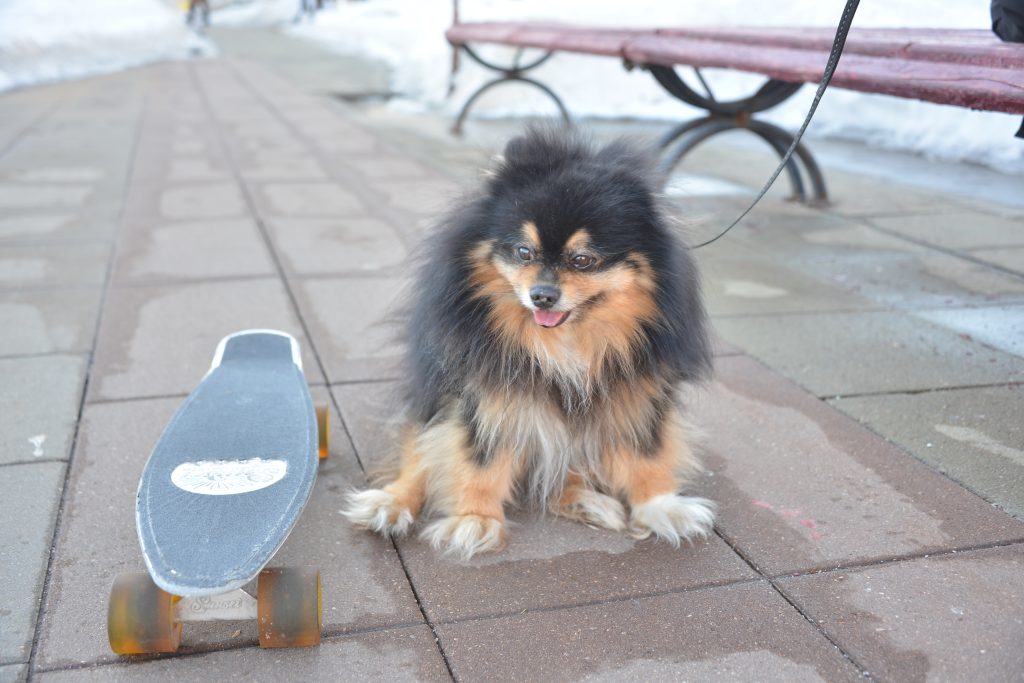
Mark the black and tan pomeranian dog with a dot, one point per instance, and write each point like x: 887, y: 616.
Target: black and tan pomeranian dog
x: 555, y: 317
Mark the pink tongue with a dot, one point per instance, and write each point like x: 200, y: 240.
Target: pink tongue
x: 549, y: 318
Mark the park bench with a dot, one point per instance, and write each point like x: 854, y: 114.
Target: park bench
x: 959, y: 67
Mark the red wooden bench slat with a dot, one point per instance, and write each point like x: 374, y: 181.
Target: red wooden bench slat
x: 967, y: 68
x: 976, y: 87
x: 958, y: 46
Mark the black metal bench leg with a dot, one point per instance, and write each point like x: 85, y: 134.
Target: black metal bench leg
x: 702, y: 129
x: 784, y: 139
x: 511, y: 73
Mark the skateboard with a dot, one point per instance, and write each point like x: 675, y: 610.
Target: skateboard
x: 221, y: 491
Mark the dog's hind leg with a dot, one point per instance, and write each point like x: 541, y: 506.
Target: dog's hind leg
x: 582, y: 503
x: 393, y: 509
x: 650, y: 483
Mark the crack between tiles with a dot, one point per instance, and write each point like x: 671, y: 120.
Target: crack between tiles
x: 916, y: 392
x: 73, y: 448
x: 330, y: 636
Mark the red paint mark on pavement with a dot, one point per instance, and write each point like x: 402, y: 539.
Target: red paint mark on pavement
x: 809, y: 523
x: 817, y: 535
x: 762, y: 504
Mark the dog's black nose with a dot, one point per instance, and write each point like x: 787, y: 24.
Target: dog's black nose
x: 545, y: 296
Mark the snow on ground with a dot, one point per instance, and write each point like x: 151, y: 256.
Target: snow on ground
x: 48, y: 40
x: 409, y: 35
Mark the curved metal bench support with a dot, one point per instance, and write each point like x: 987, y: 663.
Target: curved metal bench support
x: 725, y: 115
x: 514, y: 72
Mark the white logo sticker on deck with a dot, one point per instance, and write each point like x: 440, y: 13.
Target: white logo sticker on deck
x: 228, y: 477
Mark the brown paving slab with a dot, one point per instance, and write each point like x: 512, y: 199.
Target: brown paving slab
x: 159, y: 340
x: 975, y: 436
x: 322, y: 246
x: 801, y: 486
x: 45, y: 321
x: 549, y: 561
x: 351, y: 320
x: 39, y: 404
x: 947, y: 618
x: 407, y: 654
x: 733, y: 633
x: 53, y: 266
x: 191, y: 250
x: 363, y: 583
x: 835, y: 354
x: 31, y: 494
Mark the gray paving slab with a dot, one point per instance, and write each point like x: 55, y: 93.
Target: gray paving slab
x: 39, y: 406
x: 31, y: 494
x: 352, y: 322
x: 407, y: 654
x: 975, y: 436
x: 318, y: 246
x: 800, y: 486
x: 330, y: 200
x: 159, y: 340
x: 364, y: 586
x: 1000, y: 327
x: 834, y: 354
x: 957, y: 230
x: 14, y: 196
x: 420, y: 197
x: 13, y: 673
x: 733, y: 633
x: 946, y: 618
x: 754, y: 286
x: 48, y: 321
x: 53, y: 265
x: 548, y: 561
x: 1011, y: 258
x: 191, y: 250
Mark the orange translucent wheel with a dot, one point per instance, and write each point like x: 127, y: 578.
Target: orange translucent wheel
x: 140, y: 617
x: 323, y: 429
x: 288, y: 607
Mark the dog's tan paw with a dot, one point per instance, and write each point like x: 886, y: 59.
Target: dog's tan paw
x: 595, y: 509
x: 465, y: 535
x: 673, y: 518
x: 379, y: 511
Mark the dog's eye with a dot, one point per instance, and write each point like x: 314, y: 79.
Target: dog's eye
x: 582, y: 261
x: 525, y: 253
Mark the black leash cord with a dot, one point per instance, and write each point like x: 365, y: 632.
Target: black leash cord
x: 833, y: 60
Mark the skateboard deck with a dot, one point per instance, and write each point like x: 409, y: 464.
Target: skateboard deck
x: 233, y: 470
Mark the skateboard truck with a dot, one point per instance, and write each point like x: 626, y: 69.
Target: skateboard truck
x: 201, y: 476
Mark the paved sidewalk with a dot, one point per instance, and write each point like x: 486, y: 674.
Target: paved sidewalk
x: 864, y: 437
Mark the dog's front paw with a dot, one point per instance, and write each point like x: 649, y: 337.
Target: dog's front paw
x: 379, y: 511
x: 595, y: 509
x: 673, y: 518
x: 466, y: 535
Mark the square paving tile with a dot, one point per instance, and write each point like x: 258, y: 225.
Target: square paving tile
x: 13, y: 673
x: 801, y: 486
x: 419, y: 197
x: 548, y: 562
x: 53, y: 266
x: 307, y: 199
x: 946, y: 618
x: 31, y: 495
x: 975, y: 436
x: 41, y: 196
x: 364, y: 585
x: 353, y: 323
x: 159, y: 340
x: 97, y: 224
x: 839, y: 353
x: 157, y: 202
x: 957, y: 230
x: 408, y: 654
x: 319, y: 246
x: 732, y: 633
x: 39, y: 406
x: 1011, y: 259
x: 191, y: 250
x: 45, y: 321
